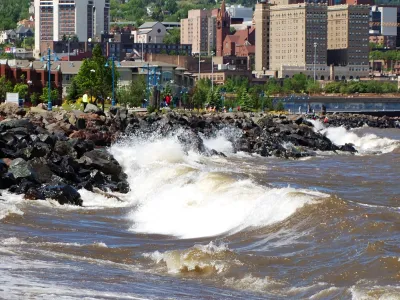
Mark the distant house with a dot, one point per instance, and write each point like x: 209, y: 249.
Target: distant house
x: 150, y: 33
x: 23, y: 32
x: 7, y: 36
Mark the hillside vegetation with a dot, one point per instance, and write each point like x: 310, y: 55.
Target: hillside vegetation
x: 11, y: 11
x: 162, y: 10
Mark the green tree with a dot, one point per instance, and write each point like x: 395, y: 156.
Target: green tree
x: 21, y: 89
x: 280, y: 106
x: 313, y: 87
x: 45, y: 95
x: 173, y: 36
x: 29, y: 42
x: 198, y: 97
x: 101, y: 79
x: 5, y: 87
x: 73, y: 92
x: 134, y: 93
x: 35, y: 99
x: 211, y: 99
x: 246, y: 102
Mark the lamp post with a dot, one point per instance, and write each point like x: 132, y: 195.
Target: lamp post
x: 91, y: 84
x: 112, y: 58
x: 48, y: 60
x: 212, y: 71
x: 315, y: 57
x: 69, y: 41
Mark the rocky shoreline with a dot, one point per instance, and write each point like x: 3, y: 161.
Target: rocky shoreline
x: 53, y: 154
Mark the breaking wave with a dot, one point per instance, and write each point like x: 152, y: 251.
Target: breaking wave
x: 187, y: 195
x: 365, y: 144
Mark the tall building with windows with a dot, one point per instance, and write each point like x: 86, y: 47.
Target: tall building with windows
x: 56, y: 19
x: 348, y: 35
x: 199, y: 30
x: 298, y: 38
x: 262, y: 21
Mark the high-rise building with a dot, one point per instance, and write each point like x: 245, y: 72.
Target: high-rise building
x: 56, y: 19
x: 298, y: 38
x: 348, y: 35
x: 199, y: 30
x: 262, y: 19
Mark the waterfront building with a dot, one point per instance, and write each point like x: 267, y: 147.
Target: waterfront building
x: 57, y: 19
x: 298, y: 39
x: 348, y: 36
x: 199, y: 30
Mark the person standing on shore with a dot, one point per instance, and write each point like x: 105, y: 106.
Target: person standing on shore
x: 84, y: 100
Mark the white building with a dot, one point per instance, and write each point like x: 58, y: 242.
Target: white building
x: 150, y: 33
x: 383, y: 21
x: 238, y: 11
x: 82, y: 18
x: 7, y: 36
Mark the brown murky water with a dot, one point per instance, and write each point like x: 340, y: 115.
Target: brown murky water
x: 241, y: 227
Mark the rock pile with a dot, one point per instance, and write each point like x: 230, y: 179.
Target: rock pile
x: 357, y: 120
x: 51, y: 155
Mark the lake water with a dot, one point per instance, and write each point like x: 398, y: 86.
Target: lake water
x: 195, y: 227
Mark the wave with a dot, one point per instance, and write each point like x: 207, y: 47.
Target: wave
x: 9, y: 204
x: 200, y: 259
x: 365, y: 144
x: 187, y: 195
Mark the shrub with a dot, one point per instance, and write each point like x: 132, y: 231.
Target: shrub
x: 151, y: 109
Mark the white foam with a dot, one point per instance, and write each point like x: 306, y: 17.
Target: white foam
x: 208, y: 258
x: 252, y: 283
x: 184, y: 196
x: 367, y: 143
x: 9, y: 204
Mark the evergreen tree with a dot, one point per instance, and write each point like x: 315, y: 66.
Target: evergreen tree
x: 246, y: 101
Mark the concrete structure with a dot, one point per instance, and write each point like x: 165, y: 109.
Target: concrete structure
x: 348, y: 35
x: 298, y: 38
x: 262, y: 36
x: 55, y: 19
x: 199, y: 30
x: 383, y: 21
x: 150, y: 32
x: 239, y: 11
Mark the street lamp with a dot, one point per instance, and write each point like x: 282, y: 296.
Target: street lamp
x: 315, y: 57
x: 69, y: 41
x: 48, y: 60
x: 91, y: 84
x: 212, y: 71
x: 112, y: 58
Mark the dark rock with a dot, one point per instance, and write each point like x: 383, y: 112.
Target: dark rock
x: 65, y: 148
x: 64, y: 194
x: 7, y: 180
x: 100, y: 160
x: 123, y: 187
x: 41, y: 169
x: 34, y: 193
x: 20, y: 168
x: 348, y: 147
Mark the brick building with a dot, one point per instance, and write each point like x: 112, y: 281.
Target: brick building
x: 34, y: 73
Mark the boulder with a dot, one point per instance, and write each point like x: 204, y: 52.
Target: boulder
x: 101, y: 160
x: 65, y: 148
x: 91, y: 108
x: 20, y: 168
x: 64, y: 194
x: 40, y: 166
